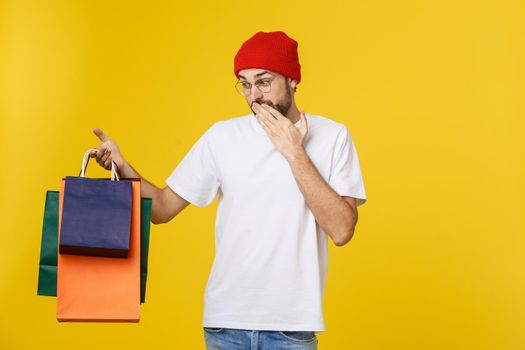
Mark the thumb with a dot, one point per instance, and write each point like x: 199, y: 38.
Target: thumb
x: 304, y: 124
x: 100, y: 134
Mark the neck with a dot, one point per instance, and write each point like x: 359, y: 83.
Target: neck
x: 293, y: 114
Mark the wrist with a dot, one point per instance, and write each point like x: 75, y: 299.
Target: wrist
x: 297, y: 155
x: 122, y: 167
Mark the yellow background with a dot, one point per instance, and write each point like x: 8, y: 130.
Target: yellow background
x: 432, y: 92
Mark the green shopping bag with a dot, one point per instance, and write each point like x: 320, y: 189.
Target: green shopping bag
x: 47, y: 275
x: 145, y: 219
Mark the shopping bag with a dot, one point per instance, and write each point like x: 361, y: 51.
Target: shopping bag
x: 47, y: 275
x: 145, y: 216
x: 96, y: 216
x: 101, y: 289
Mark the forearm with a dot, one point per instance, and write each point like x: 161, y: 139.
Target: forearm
x: 147, y: 189
x: 331, y: 211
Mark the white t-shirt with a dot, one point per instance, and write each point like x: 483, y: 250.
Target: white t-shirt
x: 271, y: 256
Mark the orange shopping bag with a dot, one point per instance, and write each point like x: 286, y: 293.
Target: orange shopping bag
x: 99, y: 288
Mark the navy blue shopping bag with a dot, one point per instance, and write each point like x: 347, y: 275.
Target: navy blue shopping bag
x: 96, y: 216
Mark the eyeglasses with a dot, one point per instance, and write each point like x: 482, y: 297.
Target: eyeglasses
x: 263, y: 85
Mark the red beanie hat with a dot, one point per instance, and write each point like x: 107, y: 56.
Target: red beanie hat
x: 275, y: 51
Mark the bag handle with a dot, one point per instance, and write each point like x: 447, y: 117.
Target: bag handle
x: 85, y: 161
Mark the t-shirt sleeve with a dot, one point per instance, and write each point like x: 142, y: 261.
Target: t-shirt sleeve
x: 345, y: 175
x: 196, y: 177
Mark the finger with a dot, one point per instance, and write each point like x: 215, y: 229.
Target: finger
x: 265, y: 115
x: 304, y: 124
x: 95, y: 152
x: 273, y: 112
x: 100, y: 134
x: 263, y: 110
x: 107, y: 164
x: 265, y: 124
x: 105, y: 156
x: 101, y: 153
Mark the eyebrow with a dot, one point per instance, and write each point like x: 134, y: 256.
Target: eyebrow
x: 257, y: 75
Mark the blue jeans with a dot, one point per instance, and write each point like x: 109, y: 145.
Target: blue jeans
x: 243, y: 339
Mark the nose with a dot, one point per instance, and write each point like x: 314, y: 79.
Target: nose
x: 255, y: 94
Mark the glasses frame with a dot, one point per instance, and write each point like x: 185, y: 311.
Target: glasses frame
x: 240, y: 88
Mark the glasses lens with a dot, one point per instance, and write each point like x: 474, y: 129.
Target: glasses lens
x: 238, y: 88
x: 264, y: 85
x: 241, y: 89
x: 244, y: 88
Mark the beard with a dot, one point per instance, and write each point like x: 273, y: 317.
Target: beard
x: 282, y: 106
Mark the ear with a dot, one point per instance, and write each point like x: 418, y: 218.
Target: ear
x: 292, y: 83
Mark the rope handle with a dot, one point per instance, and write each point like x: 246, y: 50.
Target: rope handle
x: 85, y: 161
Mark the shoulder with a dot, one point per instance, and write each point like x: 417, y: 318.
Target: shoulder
x: 326, y: 126
x: 228, y: 129
x: 228, y: 124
